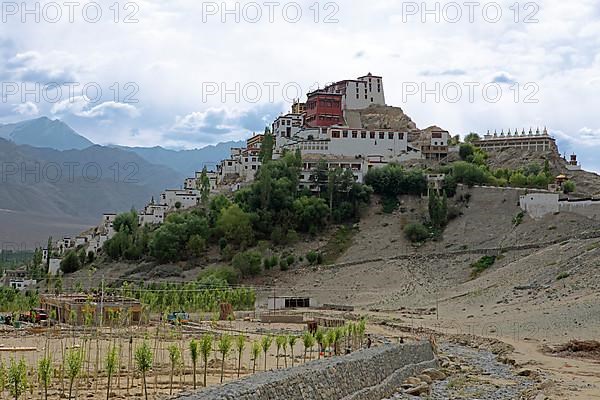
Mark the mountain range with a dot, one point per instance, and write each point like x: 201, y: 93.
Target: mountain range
x: 56, y: 182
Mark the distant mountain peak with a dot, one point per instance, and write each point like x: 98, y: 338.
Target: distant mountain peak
x: 45, y: 132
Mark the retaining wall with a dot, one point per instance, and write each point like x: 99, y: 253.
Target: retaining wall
x: 369, y: 374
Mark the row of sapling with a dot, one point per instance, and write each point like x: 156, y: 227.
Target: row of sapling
x: 329, y: 342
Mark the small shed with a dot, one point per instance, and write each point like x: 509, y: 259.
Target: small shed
x: 290, y: 302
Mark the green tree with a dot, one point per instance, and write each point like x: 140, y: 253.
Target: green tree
x: 248, y: 263
x: 236, y: 226
x: 292, y: 342
x: 224, y: 346
x: 518, y: 180
x: 438, y: 210
x: 143, y: 362
x: 240, y: 345
x: 280, y: 342
x: 111, y: 364
x: 44, y: 373
x: 196, y: 246
x: 3, y: 376
x: 308, y: 340
x: 194, y: 353
x: 17, y: 377
x: 70, y: 263
x: 206, y: 343
x: 310, y: 213
x: 266, y: 147
x: 255, y: 353
x: 175, y: 358
x: 472, y: 137
x: 569, y: 187
x: 320, y: 176
x: 466, y: 151
x: 49, y: 252
x: 203, y: 185
x: 74, y: 364
x: 265, y: 344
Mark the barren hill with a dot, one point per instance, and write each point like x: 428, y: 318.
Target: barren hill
x: 546, y: 275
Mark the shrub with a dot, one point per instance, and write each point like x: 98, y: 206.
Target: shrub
x: 562, y: 275
x: 482, y: 264
x: 389, y: 204
x: 283, y: 264
x: 270, y: 262
x: 311, y: 257
x: 224, y: 273
x: 518, y: 219
x: 416, y: 232
x: 568, y: 187
x: 291, y: 259
x: 248, y: 263
x: 70, y: 263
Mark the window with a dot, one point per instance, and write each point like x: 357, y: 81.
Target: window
x: 401, y: 135
x: 381, y: 135
x: 372, y: 135
x: 371, y: 99
x: 335, y: 134
x: 345, y: 134
x: 354, y: 134
x: 363, y: 135
x: 391, y: 135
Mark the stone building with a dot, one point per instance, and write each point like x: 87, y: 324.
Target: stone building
x: 532, y: 141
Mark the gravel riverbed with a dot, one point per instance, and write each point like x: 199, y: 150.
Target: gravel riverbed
x: 480, y: 377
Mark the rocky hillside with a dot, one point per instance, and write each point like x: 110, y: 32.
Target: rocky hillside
x: 387, y: 117
x: 588, y: 183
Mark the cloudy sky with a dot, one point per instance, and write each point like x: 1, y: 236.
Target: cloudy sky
x: 186, y: 73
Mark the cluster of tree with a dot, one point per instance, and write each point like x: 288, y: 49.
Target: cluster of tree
x: 472, y: 154
x: 76, y: 259
x: 130, y: 242
x: 438, y: 211
x: 203, y: 295
x: 13, y: 300
x: 469, y: 173
x: 272, y: 208
x: 12, y: 258
x: 393, y: 180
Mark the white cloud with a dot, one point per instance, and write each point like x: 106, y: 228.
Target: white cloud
x: 81, y: 107
x: 26, y: 109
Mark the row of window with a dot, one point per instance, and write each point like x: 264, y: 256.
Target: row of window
x: 311, y: 105
x: 311, y: 166
x: 363, y: 134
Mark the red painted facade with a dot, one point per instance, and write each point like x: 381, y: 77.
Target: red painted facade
x: 323, y: 109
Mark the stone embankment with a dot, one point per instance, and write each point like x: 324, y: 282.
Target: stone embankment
x: 369, y: 374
